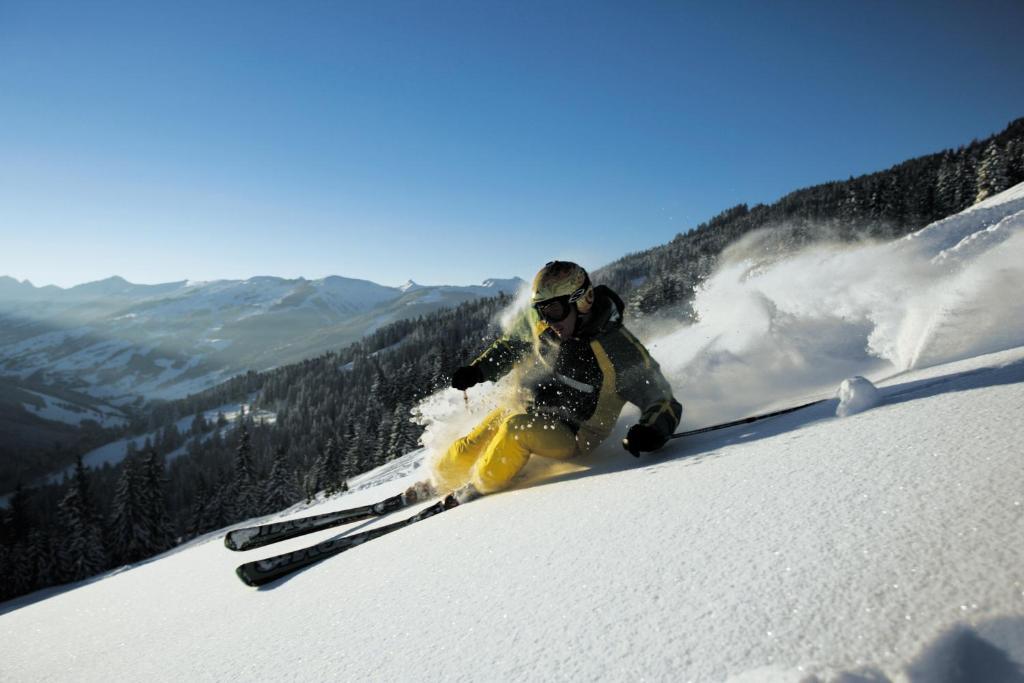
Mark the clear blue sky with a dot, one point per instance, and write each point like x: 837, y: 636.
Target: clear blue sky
x: 450, y: 142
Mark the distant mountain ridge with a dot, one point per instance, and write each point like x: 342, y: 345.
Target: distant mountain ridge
x: 121, y: 342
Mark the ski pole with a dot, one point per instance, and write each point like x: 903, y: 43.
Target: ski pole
x: 725, y: 425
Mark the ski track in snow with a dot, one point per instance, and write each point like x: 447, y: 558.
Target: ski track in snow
x: 887, y: 545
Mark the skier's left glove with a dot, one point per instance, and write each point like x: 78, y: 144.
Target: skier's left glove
x: 466, y: 377
x: 642, y: 438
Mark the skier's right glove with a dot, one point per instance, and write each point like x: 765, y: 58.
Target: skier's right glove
x: 467, y: 376
x: 642, y: 438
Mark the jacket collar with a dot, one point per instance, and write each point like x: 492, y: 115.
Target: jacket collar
x: 605, y: 315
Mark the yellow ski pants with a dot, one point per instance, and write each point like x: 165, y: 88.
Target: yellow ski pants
x: 497, y: 448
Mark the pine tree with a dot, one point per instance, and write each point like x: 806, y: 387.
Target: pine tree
x: 6, y: 572
x: 1015, y: 160
x: 42, y: 559
x: 14, y: 524
x: 154, y: 502
x: 217, y: 510
x: 279, y: 491
x: 967, y: 174
x: 993, y: 172
x: 946, y: 184
x: 246, y: 501
x: 130, y: 534
x: 382, y: 445
x: 197, y: 512
x: 84, y: 553
x: 310, y: 484
x: 199, y: 424
x: 396, y: 438
x: 404, y: 432
x: 20, y: 573
x: 355, y: 450
x: 329, y: 476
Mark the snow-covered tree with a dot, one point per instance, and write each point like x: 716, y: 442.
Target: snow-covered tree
x: 405, y: 434
x: 993, y: 172
x: 279, y: 490
x: 328, y: 469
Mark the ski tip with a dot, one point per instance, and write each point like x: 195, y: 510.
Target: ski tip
x: 244, y: 539
x: 243, y: 574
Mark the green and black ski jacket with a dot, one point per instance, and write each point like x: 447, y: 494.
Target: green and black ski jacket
x: 584, y: 381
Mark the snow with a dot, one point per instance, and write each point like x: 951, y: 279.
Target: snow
x: 409, y: 286
x: 795, y: 328
x: 886, y: 546
x: 856, y: 395
x: 442, y: 293
x: 71, y: 413
x: 800, y: 546
x: 114, y: 452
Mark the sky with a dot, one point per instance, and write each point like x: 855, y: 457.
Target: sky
x: 449, y: 142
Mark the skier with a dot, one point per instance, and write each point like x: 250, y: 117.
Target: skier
x: 577, y: 366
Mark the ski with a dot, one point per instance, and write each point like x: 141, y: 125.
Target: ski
x: 258, y: 536
x: 260, y: 572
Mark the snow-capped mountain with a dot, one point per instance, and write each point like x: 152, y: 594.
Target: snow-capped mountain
x: 118, y: 341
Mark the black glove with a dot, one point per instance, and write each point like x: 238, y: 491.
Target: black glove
x: 467, y: 376
x: 643, y: 438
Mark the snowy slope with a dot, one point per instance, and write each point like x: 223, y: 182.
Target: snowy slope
x: 888, y: 545
x: 61, y: 410
x: 807, y: 544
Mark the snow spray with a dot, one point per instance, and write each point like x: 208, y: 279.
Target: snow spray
x: 772, y: 331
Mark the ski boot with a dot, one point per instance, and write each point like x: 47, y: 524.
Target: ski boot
x: 460, y: 496
x: 419, y: 492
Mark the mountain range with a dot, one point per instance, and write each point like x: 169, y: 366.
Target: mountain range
x: 122, y: 343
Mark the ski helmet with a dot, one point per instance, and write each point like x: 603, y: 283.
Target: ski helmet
x: 562, y: 282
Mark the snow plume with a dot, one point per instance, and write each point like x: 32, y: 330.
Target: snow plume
x: 782, y: 329
x: 511, y: 314
x: 450, y: 414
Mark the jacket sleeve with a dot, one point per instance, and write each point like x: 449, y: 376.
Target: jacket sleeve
x: 639, y: 381
x: 501, y: 356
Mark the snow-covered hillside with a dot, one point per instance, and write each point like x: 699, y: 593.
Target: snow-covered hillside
x: 114, y: 452
x: 62, y: 410
x: 886, y: 545
x: 890, y: 544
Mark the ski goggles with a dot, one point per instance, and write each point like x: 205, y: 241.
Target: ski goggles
x: 554, y: 310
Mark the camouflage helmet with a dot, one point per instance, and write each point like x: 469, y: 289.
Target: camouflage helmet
x: 563, y: 279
